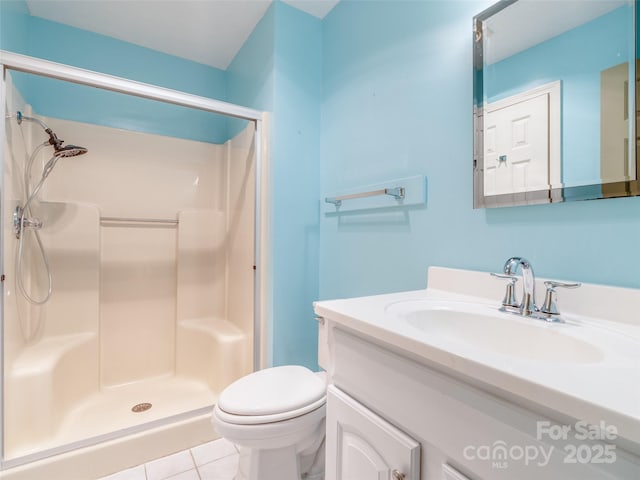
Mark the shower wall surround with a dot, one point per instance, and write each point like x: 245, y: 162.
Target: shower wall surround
x: 141, y: 312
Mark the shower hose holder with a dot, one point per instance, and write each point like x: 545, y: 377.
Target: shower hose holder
x: 19, y: 224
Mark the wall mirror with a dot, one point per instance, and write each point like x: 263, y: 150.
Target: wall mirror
x: 554, y: 84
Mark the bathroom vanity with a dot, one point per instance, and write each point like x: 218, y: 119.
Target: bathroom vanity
x: 439, y: 384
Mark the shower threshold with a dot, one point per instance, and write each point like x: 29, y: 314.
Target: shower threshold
x: 110, y: 414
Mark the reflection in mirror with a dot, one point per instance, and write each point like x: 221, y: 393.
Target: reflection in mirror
x: 554, y: 82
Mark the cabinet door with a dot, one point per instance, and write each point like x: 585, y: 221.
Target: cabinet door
x: 363, y: 446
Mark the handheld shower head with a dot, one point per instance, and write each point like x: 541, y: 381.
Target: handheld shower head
x: 70, y: 151
x: 22, y: 215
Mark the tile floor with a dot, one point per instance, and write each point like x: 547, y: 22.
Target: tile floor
x: 217, y: 460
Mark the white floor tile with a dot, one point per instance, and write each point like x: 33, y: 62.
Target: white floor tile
x: 135, y: 473
x: 223, y: 469
x: 165, y: 467
x: 188, y: 475
x: 208, y: 452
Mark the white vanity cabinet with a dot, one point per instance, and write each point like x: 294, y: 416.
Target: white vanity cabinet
x: 388, y: 410
x: 361, y: 445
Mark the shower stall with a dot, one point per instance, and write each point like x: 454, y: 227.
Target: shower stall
x: 130, y: 264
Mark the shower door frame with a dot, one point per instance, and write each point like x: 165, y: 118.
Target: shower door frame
x: 46, y: 68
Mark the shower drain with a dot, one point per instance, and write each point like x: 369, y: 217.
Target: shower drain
x: 141, y: 407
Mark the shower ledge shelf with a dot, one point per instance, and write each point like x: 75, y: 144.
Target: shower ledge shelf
x: 214, y: 326
x: 46, y: 353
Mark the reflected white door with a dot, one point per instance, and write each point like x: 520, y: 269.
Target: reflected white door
x: 614, y: 127
x: 516, y: 147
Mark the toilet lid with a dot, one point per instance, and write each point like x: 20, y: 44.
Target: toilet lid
x: 272, y: 391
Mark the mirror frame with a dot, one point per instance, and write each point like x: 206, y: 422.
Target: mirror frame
x: 627, y: 188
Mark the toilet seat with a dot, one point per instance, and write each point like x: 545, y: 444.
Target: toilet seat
x: 263, y: 419
x: 271, y: 395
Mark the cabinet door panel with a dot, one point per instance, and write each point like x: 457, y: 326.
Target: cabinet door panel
x: 450, y: 473
x: 359, y: 459
x: 363, y: 446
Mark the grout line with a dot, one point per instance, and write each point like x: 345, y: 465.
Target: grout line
x: 218, y: 459
x: 195, y: 464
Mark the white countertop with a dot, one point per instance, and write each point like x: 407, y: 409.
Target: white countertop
x: 604, y: 391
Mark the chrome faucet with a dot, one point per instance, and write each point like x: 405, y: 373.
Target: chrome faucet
x: 528, y: 303
x: 527, y: 307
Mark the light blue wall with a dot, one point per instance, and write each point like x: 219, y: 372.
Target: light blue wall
x: 279, y: 70
x: 251, y: 74
x: 40, y: 38
x: 14, y: 25
x: 14, y: 32
x: 397, y: 101
x: 295, y: 184
x: 576, y: 58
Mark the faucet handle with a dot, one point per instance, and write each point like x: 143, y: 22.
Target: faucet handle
x: 509, y: 299
x: 549, y: 306
x: 554, y: 284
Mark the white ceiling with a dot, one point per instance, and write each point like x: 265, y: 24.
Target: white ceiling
x: 529, y: 22
x: 205, y: 31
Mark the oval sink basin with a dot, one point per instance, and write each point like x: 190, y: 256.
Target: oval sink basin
x: 480, y: 327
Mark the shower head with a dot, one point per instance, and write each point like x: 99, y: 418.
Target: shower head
x: 60, y: 150
x: 69, y: 151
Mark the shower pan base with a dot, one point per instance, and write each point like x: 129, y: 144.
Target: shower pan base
x: 110, y: 410
x: 110, y: 456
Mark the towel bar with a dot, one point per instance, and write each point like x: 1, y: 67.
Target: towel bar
x: 396, y: 192
x: 132, y: 222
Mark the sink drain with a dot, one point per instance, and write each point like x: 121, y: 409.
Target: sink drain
x: 141, y: 407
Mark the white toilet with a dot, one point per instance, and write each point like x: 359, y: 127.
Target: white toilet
x: 276, y: 418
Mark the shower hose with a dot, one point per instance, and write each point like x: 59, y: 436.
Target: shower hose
x: 26, y: 212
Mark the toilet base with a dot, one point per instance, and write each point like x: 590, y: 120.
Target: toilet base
x: 281, y: 460
x: 285, y: 463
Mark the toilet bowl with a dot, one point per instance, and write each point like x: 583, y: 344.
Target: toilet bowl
x: 276, y: 418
